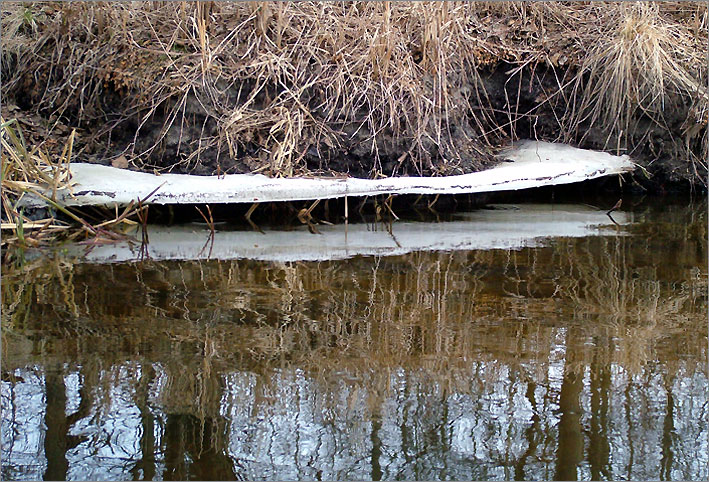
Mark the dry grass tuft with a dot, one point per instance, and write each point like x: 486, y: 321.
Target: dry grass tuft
x: 25, y: 171
x: 641, y: 67
x: 33, y: 172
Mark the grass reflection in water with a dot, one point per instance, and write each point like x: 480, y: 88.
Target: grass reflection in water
x: 585, y: 358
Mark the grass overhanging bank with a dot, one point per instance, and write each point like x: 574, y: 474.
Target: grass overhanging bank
x: 366, y: 88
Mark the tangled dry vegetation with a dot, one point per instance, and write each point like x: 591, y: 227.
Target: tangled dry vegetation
x: 369, y: 88
x: 32, y: 171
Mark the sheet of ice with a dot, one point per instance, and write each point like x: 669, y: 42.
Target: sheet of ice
x: 506, y: 227
x: 529, y: 164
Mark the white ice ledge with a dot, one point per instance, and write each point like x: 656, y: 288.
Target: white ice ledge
x: 529, y: 164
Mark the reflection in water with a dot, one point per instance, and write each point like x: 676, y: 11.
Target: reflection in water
x: 584, y: 359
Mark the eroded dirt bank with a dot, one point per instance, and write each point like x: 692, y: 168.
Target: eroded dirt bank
x: 363, y: 88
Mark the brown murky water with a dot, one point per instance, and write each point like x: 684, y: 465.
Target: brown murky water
x: 582, y: 358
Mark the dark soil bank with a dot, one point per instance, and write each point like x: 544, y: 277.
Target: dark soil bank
x: 208, y: 88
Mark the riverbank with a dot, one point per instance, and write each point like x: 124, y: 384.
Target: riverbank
x: 368, y: 89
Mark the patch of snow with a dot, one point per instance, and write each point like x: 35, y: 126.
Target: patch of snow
x: 528, y: 164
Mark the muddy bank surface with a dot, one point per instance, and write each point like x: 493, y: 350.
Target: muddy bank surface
x: 365, y: 89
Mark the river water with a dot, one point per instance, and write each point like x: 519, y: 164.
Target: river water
x: 495, y: 344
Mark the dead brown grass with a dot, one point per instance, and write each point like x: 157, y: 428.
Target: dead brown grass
x: 641, y: 67
x: 33, y: 172
x: 401, y: 88
x: 23, y: 172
